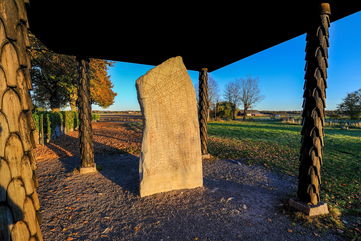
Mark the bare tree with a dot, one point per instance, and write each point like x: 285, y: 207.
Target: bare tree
x: 250, y: 93
x: 213, y: 90
x: 233, y: 95
x: 213, y: 93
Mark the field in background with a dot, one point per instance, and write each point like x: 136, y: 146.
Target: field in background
x: 276, y: 145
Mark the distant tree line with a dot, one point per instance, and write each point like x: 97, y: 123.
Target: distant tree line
x: 241, y: 93
x: 351, y: 105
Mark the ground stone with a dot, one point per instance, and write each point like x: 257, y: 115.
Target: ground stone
x: 86, y: 170
x: 171, y: 156
x: 310, y: 210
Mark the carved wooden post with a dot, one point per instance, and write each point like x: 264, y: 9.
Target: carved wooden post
x: 19, y: 202
x: 314, y: 114
x: 203, y: 107
x: 85, y: 128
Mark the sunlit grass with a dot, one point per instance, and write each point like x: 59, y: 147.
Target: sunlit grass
x: 276, y: 145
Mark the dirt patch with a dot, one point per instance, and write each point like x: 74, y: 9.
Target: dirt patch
x: 107, y: 137
x: 237, y: 202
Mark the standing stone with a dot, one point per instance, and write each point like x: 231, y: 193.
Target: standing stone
x: 171, y: 151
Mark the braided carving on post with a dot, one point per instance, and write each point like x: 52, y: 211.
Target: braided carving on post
x: 19, y: 202
x: 203, y: 109
x: 314, y: 109
x: 85, y: 127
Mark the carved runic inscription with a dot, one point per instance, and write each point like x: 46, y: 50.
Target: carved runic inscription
x: 171, y: 155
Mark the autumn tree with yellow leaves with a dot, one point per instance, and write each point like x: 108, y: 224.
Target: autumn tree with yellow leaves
x: 55, y: 79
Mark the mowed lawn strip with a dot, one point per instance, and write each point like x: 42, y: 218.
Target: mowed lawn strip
x: 276, y: 145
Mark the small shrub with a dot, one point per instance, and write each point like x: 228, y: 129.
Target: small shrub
x: 36, y: 118
x: 70, y: 120
x: 95, y: 117
x: 47, y: 126
x: 66, y: 121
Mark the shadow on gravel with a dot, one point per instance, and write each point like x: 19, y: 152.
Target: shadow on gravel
x: 115, y: 138
x: 115, y: 164
x: 121, y: 169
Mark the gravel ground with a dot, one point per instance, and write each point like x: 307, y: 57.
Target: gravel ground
x: 237, y: 202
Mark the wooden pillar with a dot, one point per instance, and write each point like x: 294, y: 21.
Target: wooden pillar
x: 203, y: 107
x: 313, y: 114
x: 85, y: 125
x: 19, y: 202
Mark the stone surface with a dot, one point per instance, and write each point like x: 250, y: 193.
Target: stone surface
x: 310, y: 210
x: 171, y: 155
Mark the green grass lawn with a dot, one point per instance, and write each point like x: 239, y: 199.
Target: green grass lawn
x: 276, y: 145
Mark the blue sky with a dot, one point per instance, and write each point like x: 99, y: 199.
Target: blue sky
x: 280, y: 70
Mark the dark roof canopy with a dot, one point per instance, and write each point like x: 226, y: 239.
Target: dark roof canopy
x: 209, y: 35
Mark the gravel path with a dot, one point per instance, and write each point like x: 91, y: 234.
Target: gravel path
x: 238, y: 202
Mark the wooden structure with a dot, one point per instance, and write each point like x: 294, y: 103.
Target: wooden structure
x: 203, y: 108
x: 156, y: 34
x: 85, y: 118
x: 19, y: 202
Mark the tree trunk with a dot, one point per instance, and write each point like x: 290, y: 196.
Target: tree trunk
x: 244, y: 113
x: 73, y: 100
x: 54, y: 102
x: 233, y: 109
x: 215, y: 111
x: 314, y: 109
x: 19, y: 203
x: 203, y: 109
x: 84, y: 107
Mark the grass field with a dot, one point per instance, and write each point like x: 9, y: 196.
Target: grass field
x: 276, y: 145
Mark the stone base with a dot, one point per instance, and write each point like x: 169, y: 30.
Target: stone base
x: 84, y: 170
x: 309, y: 210
x: 206, y: 156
